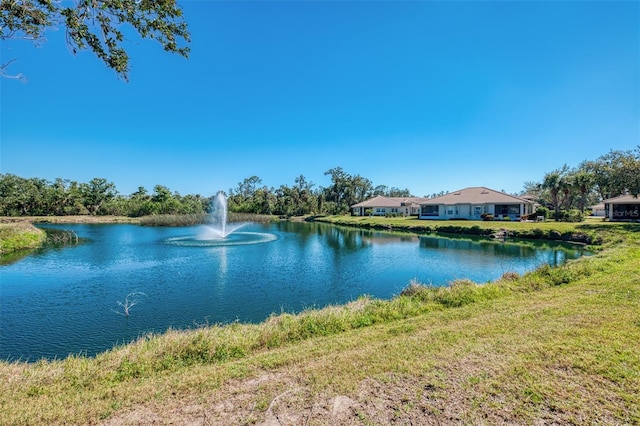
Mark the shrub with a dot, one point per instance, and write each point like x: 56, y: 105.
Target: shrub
x: 537, y: 233
x: 555, y: 235
x: 510, y: 276
x: 540, y: 211
x: 487, y: 216
x: 572, y: 216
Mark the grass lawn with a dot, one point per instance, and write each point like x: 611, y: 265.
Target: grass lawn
x: 557, y: 345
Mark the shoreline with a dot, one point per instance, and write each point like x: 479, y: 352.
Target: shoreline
x: 70, y: 219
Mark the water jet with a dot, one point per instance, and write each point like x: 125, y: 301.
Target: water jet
x: 219, y: 232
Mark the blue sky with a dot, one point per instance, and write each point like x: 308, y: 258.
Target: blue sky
x: 429, y: 96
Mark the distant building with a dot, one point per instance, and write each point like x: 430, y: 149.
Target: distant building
x: 622, y: 208
x: 598, y: 210
x: 472, y: 203
x: 382, y: 206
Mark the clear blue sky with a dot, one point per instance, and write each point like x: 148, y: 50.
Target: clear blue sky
x: 429, y: 96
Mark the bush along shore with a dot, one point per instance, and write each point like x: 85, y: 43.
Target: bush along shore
x: 581, y: 233
x: 555, y: 345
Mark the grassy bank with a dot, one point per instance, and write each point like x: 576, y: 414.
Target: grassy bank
x: 557, y: 345
x: 585, y: 232
x: 20, y: 236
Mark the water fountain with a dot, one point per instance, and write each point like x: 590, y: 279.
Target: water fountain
x: 219, y: 232
x: 217, y: 227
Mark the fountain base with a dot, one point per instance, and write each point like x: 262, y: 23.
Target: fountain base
x: 233, y: 239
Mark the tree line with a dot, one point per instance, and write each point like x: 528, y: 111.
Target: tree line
x: 562, y: 190
x: 303, y: 198
x: 38, y: 197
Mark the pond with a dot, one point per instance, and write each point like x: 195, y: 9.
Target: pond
x: 61, y: 301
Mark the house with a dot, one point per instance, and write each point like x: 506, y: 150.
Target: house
x: 598, y: 210
x: 381, y: 206
x: 622, y: 208
x: 472, y: 203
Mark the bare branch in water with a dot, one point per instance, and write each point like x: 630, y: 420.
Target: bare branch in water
x: 129, y: 302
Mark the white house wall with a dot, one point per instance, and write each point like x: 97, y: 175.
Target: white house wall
x: 466, y: 211
x: 382, y: 211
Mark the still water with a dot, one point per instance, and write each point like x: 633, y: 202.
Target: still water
x: 60, y: 301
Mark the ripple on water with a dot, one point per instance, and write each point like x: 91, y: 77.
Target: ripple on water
x: 234, y: 239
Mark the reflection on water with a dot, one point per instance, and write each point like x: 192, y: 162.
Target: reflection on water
x: 60, y: 301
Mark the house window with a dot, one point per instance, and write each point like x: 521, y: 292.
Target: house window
x: 478, y: 210
x: 380, y: 210
x: 430, y: 211
x: 508, y: 209
x: 394, y: 210
x: 626, y: 211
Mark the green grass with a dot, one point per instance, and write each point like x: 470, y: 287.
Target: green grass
x: 556, y: 345
x: 20, y: 236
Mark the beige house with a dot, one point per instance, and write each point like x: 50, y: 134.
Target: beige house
x: 472, y: 203
x: 382, y: 206
x: 622, y: 208
x: 598, y: 210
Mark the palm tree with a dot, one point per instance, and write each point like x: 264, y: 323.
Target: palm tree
x: 583, y: 182
x: 553, y: 182
x: 558, y: 182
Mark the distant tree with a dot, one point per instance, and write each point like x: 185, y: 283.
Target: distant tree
x: 437, y: 194
x: 397, y: 192
x: 359, y: 190
x: 531, y: 188
x: 13, y: 195
x: 241, y: 199
x: 615, y: 173
x: 631, y: 172
x: 337, y: 192
x: 382, y: 190
x: 248, y: 187
x: 284, y: 204
x: 96, y: 193
x: 583, y: 183
x: 58, y: 195
x: 195, y: 204
x: 555, y: 182
x: 95, y: 25
x: 263, y: 201
x: 306, y: 199
x: 75, y: 203
x: 161, y: 196
x: 140, y: 194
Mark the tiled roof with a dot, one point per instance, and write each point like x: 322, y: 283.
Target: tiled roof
x: 381, y: 201
x: 475, y: 195
x: 622, y: 199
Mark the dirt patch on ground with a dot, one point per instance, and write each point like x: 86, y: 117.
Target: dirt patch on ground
x: 278, y: 399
